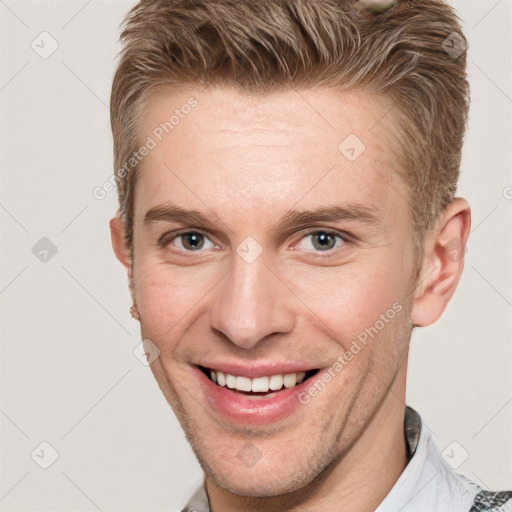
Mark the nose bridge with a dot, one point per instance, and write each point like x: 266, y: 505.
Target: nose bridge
x: 250, y: 304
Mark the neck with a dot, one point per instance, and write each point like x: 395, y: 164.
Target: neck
x: 359, y: 479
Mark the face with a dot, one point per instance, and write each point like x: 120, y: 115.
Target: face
x: 265, y: 253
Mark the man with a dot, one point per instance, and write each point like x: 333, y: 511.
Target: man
x: 286, y: 173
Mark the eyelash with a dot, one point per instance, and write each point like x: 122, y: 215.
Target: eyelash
x: 166, y: 240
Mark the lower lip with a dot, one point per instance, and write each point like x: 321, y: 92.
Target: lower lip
x: 251, y: 409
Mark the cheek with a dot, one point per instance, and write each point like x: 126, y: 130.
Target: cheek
x: 168, y: 298
x: 351, y: 298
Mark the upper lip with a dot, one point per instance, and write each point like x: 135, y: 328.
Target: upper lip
x: 255, y: 370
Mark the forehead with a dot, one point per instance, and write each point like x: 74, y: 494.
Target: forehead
x: 232, y: 150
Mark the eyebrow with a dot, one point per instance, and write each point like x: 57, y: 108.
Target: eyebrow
x: 172, y: 213
x: 365, y: 214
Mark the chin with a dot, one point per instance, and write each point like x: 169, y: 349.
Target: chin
x: 256, y: 483
x: 242, y: 473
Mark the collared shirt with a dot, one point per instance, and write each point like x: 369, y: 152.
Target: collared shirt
x: 427, y: 484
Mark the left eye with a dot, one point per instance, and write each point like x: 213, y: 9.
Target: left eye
x: 321, y: 241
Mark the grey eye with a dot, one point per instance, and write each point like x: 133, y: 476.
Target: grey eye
x: 323, y: 241
x: 192, y: 241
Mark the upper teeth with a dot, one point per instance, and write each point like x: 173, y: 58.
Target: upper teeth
x: 259, y: 384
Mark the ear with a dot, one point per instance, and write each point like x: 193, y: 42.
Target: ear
x: 443, y: 262
x: 117, y: 237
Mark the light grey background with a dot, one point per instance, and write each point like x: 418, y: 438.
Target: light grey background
x: 68, y: 373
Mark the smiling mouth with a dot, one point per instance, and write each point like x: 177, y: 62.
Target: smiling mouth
x: 258, y: 385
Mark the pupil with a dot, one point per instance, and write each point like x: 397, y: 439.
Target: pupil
x: 194, y: 241
x: 324, y: 241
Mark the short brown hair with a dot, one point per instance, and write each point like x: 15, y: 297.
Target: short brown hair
x: 262, y: 46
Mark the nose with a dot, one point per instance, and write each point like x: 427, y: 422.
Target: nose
x: 251, y: 303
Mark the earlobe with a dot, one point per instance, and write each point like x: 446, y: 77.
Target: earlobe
x: 443, y: 263
x: 117, y: 238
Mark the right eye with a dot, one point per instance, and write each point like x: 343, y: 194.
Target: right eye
x: 190, y: 241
